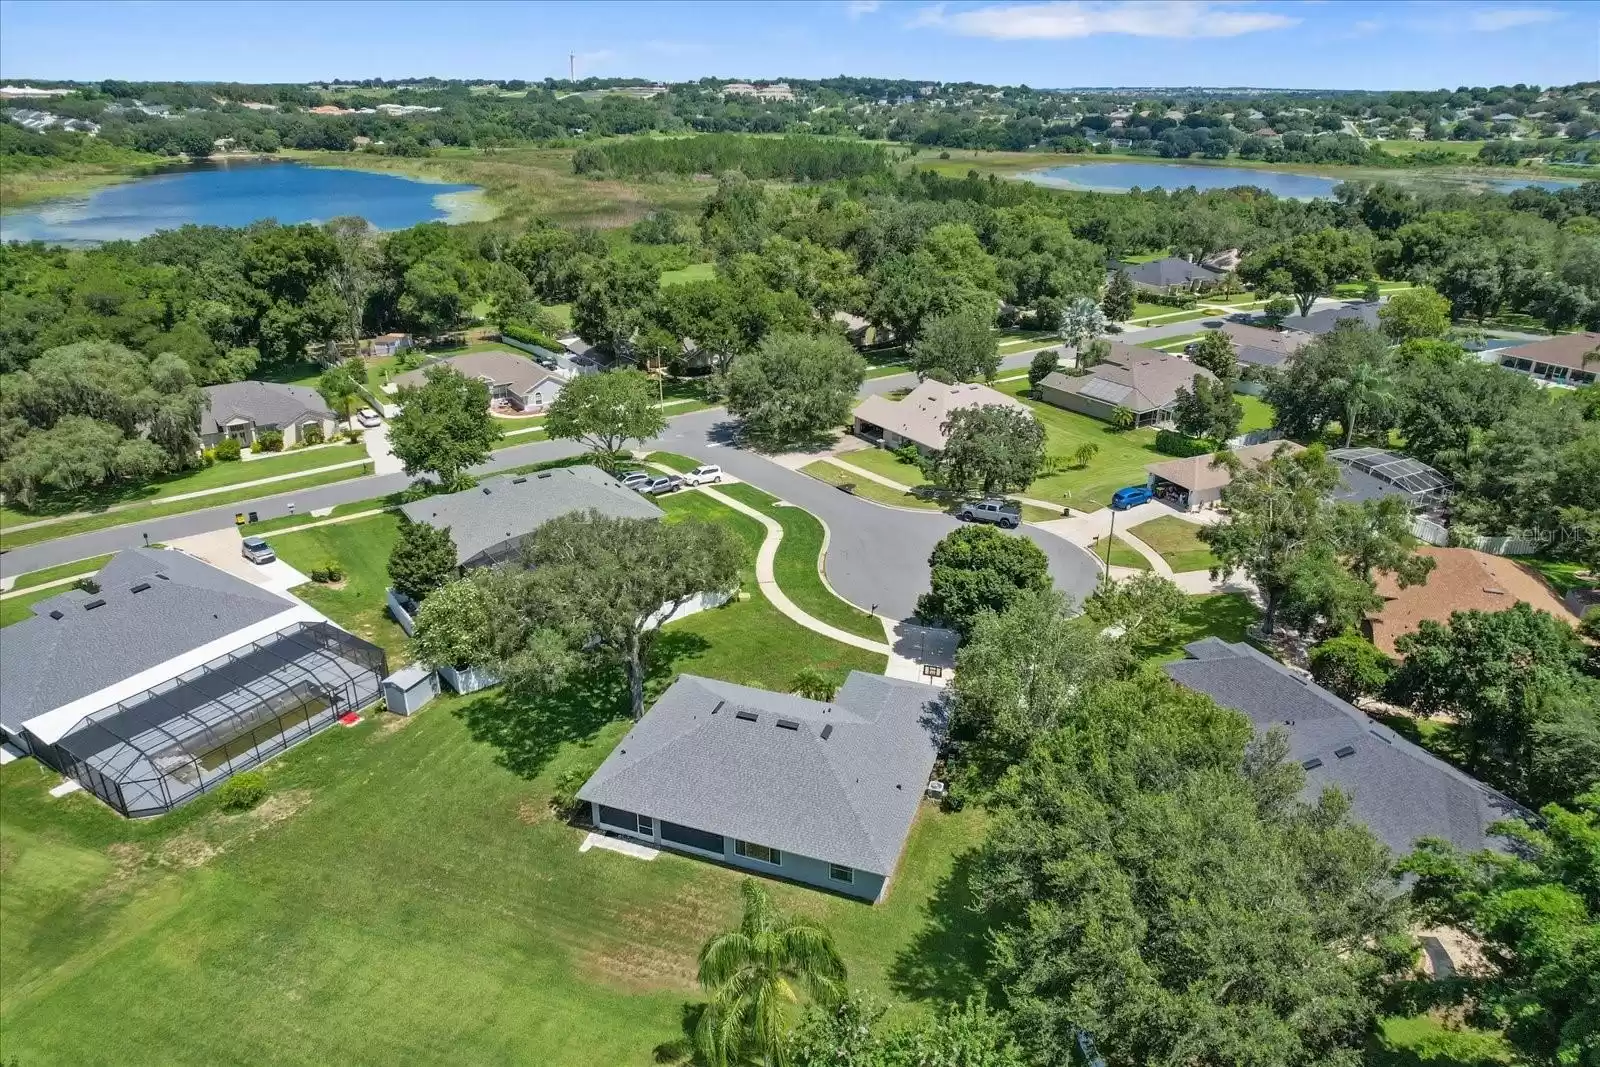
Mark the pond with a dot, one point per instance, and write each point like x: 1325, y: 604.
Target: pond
x: 1121, y: 177
x: 237, y: 193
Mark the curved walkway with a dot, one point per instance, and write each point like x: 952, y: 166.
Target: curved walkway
x: 767, y: 579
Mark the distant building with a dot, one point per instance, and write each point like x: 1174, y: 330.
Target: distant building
x: 512, y: 379
x: 1463, y: 579
x: 389, y: 344
x: 29, y: 92
x: 1568, y: 359
x: 1163, y: 275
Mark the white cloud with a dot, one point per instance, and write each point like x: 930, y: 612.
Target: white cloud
x: 856, y: 8
x: 1506, y: 18
x: 1063, y: 19
x: 1364, y: 28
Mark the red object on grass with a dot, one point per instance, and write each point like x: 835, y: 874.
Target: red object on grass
x: 350, y: 718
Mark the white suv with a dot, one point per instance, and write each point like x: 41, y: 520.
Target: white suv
x: 702, y: 475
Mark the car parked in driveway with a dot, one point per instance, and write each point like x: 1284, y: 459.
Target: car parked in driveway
x: 634, y: 479
x: 367, y: 417
x: 659, y: 486
x: 1002, y: 513
x: 708, y: 474
x: 1131, y: 497
x: 256, y: 550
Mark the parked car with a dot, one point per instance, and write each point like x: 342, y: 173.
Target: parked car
x: 1131, y: 497
x: 367, y: 417
x: 1002, y: 513
x: 703, y: 475
x: 256, y: 550
x: 659, y: 486
x: 634, y: 479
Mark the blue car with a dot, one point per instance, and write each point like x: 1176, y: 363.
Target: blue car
x: 1131, y: 497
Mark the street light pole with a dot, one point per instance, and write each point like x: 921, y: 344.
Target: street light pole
x: 1109, y: 538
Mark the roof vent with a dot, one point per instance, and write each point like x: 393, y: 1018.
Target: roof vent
x: 1312, y: 764
x: 98, y: 602
x: 788, y: 724
x: 827, y: 731
x: 57, y: 614
x: 141, y: 587
x: 163, y: 577
x: 1345, y: 752
x: 518, y: 481
x: 486, y: 490
x: 718, y: 707
x: 544, y: 474
x: 746, y: 716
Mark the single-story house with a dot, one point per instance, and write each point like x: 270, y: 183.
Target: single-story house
x: 818, y: 792
x: 171, y: 676
x: 488, y: 522
x: 1399, y: 790
x: 919, y: 417
x: 1320, y: 322
x: 245, y: 410
x: 391, y: 344
x: 1141, y: 379
x: 1196, y: 482
x: 1257, y: 347
x: 512, y: 379
x: 1568, y: 359
x: 1463, y: 579
x: 1162, y: 275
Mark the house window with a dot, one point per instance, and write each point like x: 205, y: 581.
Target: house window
x: 847, y: 875
x: 760, y: 853
x: 627, y: 821
x: 689, y: 837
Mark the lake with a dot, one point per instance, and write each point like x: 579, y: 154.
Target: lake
x: 1120, y: 177
x: 236, y: 194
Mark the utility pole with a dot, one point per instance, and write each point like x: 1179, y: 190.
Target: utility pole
x: 1109, y: 538
x: 572, y: 66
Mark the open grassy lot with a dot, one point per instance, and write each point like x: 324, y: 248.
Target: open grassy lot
x: 798, y: 562
x: 1224, y: 615
x: 64, y: 570
x: 1258, y: 414
x: 1177, y: 542
x: 881, y: 461
x: 694, y: 272
x: 1122, y: 554
x: 157, y: 509
x: 362, y: 548
x: 1425, y: 1039
x: 1120, y: 461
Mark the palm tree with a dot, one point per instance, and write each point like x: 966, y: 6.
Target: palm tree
x: 1085, y: 453
x: 755, y: 973
x: 1123, y: 417
x: 812, y: 684
x: 1367, y: 387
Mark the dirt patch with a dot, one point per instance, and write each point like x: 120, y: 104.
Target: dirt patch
x: 388, y: 724
x: 532, y: 812
x: 340, y: 584
x: 187, y: 851
x: 278, y: 807
x: 661, y: 947
x: 638, y: 967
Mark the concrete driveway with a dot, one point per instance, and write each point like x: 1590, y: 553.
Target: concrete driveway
x: 377, y: 441
x: 220, y: 548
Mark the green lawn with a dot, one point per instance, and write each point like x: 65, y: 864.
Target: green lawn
x: 694, y: 272
x: 882, y: 461
x: 1166, y: 316
x: 1170, y: 344
x: 1425, y: 1041
x: 157, y: 509
x: 562, y: 313
x: 1258, y: 414
x: 1224, y: 615
x: 409, y: 855
x: 682, y: 464
x: 20, y: 607
x: 1122, y: 554
x: 216, y: 476
x: 1561, y: 574
x: 1120, y: 461
x: 362, y: 546
x: 866, y: 488
x: 1177, y: 543
x: 64, y: 570
x: 798, y: 560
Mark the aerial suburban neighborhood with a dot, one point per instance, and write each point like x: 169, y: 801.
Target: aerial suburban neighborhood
x: 715, y: 570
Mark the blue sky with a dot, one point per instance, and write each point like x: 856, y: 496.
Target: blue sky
x: 1305, y: 44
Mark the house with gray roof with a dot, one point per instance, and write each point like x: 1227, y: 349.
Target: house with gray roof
x: 1141, y: 379
x: 245, y: 410
x: 489, y: 521
x: 1320, y: 322
x: 1164, y: 275
x: 165, y: 676
x: 513, y: 380
x: 1398, y: 789
x: 818, y: 792
x: 1257, y: 347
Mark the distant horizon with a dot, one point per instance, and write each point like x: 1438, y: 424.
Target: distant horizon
x: 1290, y: 45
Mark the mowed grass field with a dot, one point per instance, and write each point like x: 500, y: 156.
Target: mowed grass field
x: 1177, y: 542
x: 405, y: 893
x: 1120, y: 461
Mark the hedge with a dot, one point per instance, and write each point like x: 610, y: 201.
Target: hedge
x: 529, y: 336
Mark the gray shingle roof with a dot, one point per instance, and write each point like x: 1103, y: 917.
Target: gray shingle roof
x: 1170, y: 271
x: 846, y: 798
x: 267, y: 404
x: 45, y: 662
x: 510, y: 506
x: 1142, y: 379
x: 1320, y: 322
x: 519, y: 373
x: 1399, y: 790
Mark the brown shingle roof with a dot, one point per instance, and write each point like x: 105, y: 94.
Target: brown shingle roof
x: 1196, y: 472
x: 1463, y: 579
x: 1142, y: 379
x: 1568, y: 350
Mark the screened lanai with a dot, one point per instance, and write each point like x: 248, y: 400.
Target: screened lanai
x: 1409, y: 477
x: 151, y: 752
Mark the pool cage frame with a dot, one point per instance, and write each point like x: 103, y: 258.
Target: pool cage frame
x: 151, y: 752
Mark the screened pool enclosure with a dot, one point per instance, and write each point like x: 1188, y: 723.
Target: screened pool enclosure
x: 151, y: 752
